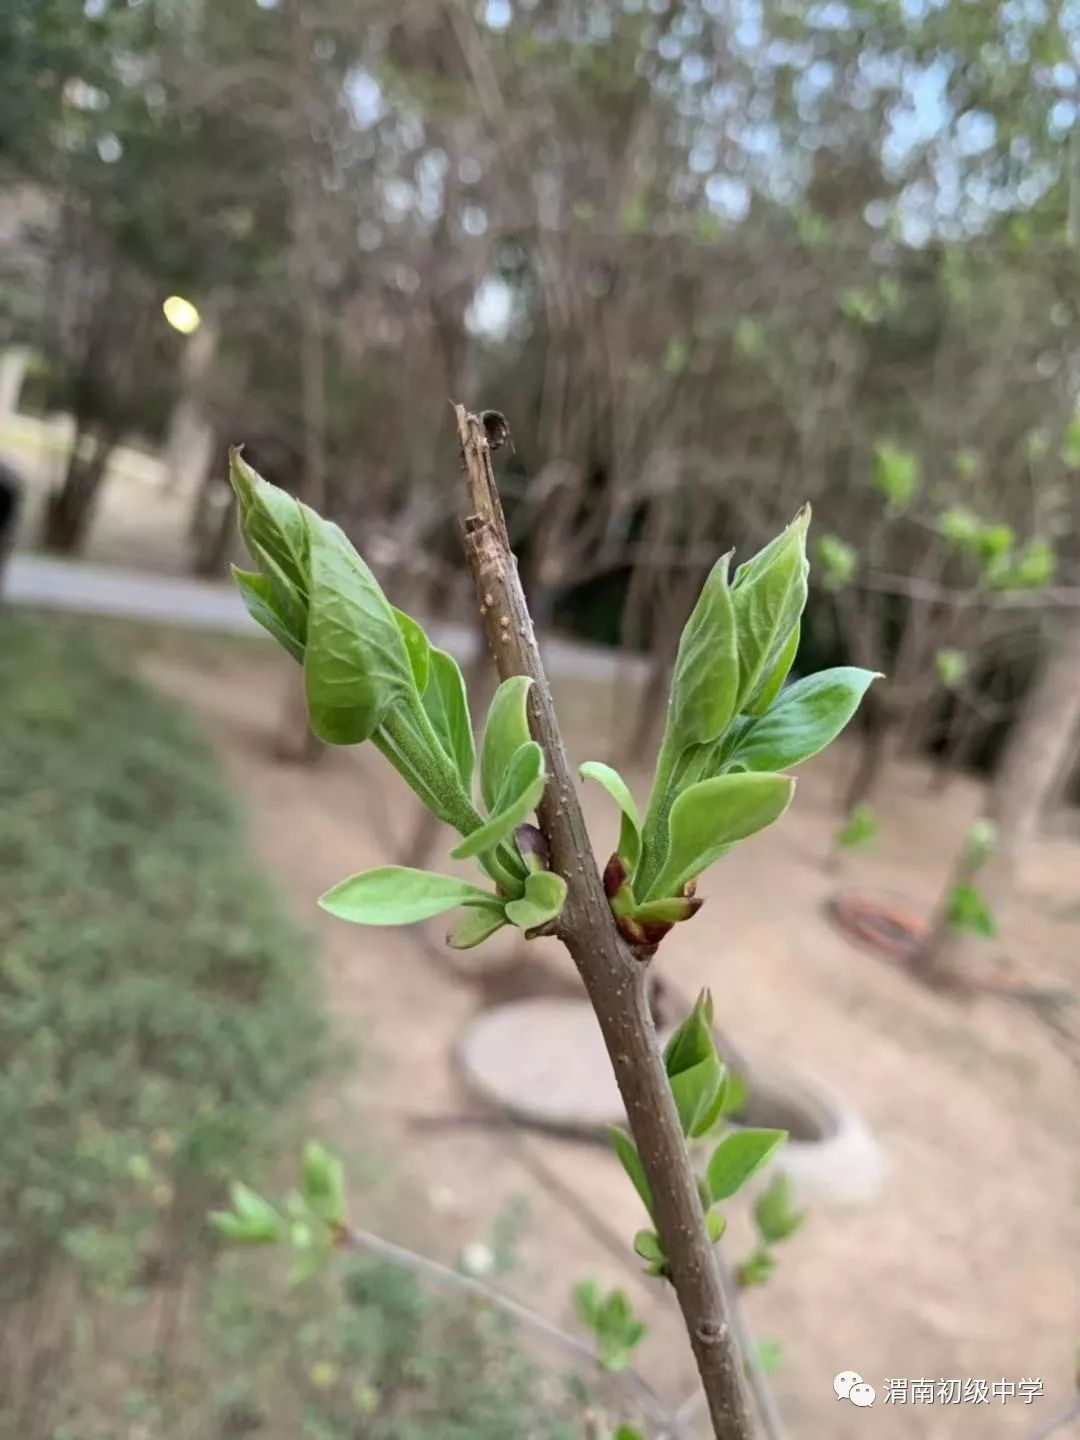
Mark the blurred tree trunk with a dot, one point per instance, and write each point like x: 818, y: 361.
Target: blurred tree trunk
x: 295, y: 740
x: 1038, y: 751
x: 70, y: 509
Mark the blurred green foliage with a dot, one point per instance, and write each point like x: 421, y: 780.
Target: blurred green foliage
x: 156, y: 1012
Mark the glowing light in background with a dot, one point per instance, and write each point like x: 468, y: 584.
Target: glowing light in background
x: 181, y: 314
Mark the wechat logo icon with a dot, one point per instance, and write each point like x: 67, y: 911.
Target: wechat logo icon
x: 850, y: 1386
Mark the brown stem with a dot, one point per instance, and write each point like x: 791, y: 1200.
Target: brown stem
x: 613, y: 978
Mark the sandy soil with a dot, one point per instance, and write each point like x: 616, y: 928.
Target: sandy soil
x: 964, y: 1266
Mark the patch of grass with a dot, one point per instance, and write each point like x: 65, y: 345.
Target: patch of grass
x: 157, y: 1013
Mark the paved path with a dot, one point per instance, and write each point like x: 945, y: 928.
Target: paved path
x: 46, y: 582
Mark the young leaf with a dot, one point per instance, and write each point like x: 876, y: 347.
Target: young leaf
x: 396, y: 895
x: 805, y: 718
x: 447, y: 707
x: 768, y: 597
x: 739, y: 1156
x: 542, y: 902
x: 705, y: 681
x: 259, y: 597
x: 417, y: 645
x: 859, y: 830
x: 356, y: 665
x: 895, y: 474
x: 714, y: 814
x: 477, y: 925
x: 587, y: 1303
x: 715, y: 1224
x: 775, y: 1214
x: 323, y: 1183
x: 522, y: 787
x: 698, y: 1095
x: 272, y: 523
x: 968, y: 910
x: 693, y: 1041
x: 647, y: 1245
x: 775, y: 683
x: 630, y: 825
x: 251, y: 1221
x: 505, y: 732
x: 630, y: 1160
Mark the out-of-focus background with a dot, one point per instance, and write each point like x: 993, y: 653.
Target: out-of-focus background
x: 712, y: 259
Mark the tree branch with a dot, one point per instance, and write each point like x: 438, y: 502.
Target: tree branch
x: 613, y: 977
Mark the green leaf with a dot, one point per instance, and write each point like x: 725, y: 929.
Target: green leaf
x: 709, y: 817
x: 417, y: 645
x: 323, y: 1183
x: 715, y: 1224
x: 770, y: 1355
x: 647, y: 1245
x: 698, y: 1096
x: 447, y: 707
x: 768, y: 597
x: 478, y: 924
x: 523, y: 785
x: 693, y: 1041
x: 705, y: 680
x: 356, y: 665
x: 259, y: 597
x: 396, y: 895
x: 952, y: 667
x: 545, y: 893
x: 630, y: 1160
x: 969, y: 910
x: 838, y: 559
x: 736, y: 1092
x: 251, y: 1221
x: 587, y: 1302
x: 505, y: 732
x: 775, y: 683
x: 272, y: 523
x: 859, y: 830
x: 805, y: 718
x: 627, y: 1432
x: 775, y: 1214
x: 895, y: 474
x: 630, y: 826
x: 739, y: 1156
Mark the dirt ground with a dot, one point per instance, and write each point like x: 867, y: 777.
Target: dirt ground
x: 965, y: 1265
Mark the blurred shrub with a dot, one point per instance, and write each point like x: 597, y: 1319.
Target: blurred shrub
x: 156, y: 1012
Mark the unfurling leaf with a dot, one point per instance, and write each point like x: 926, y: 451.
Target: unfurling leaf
x: 714, y: 814
x: 699, y: 1094
x: 647, y: 1245
x: 285, y: 622
x: 739, y: 1156
x: 356, y: 664
x: 542, y: 902
x: 251, y: 1221
x: 523, y: 785
x: 447, y: 706
x: 805, y: 718
x: 397, y: 895
x: 693, y: 1041
x: 505, y: 732
x: 630, y: 825
x: 768, y: 596
x: 417, y: 645
x: 272, y: 524
x: 630, y: 1160
x: 323, y: 1183
x: 705, y: 680
x: 478, y: 924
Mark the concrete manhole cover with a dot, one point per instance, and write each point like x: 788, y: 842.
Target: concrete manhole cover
x: 544, y: 1061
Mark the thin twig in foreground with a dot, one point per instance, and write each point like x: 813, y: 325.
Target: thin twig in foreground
x: 614, y: 978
